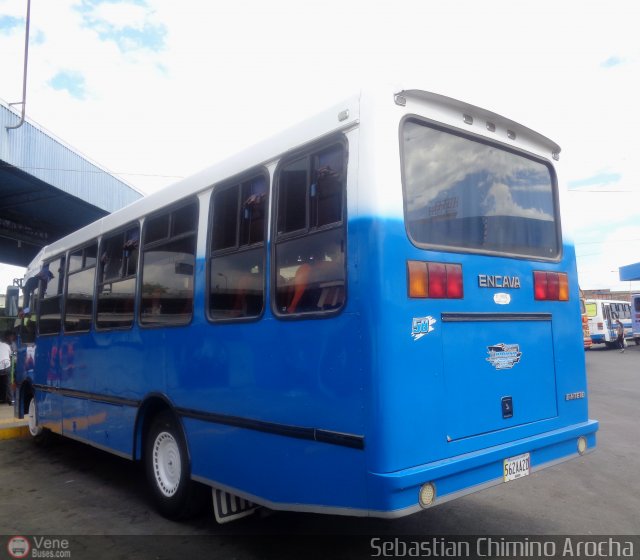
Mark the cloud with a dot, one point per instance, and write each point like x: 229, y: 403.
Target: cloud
x: 9, y: 23
x: 72, y: 82
x: 504, y: 205
x: 130, y: 25
x: 612, y: 61
x: 600, y: 179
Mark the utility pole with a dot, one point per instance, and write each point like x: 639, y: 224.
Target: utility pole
x: 24, y: 74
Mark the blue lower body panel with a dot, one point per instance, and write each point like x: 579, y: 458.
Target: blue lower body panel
x: 304, y: 482
x: 396, y: 494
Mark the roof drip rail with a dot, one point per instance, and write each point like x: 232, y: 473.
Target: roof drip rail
x: 24, y: 74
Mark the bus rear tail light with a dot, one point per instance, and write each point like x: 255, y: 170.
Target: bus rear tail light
x: 434, y: 280
x: 551, y: 286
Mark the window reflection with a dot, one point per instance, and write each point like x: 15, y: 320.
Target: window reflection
x: 79, y: 302
x: 237, y: 285
x: 115, y: 304
x: 311, y: 273
x: 168, y: 269
x: 467, y: 194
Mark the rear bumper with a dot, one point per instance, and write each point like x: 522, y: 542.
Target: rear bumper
x: 475, y: 471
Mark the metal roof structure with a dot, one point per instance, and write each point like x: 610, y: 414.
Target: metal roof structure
x: 48, y: 190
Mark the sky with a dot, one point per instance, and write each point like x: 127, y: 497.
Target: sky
x: 155, y: 90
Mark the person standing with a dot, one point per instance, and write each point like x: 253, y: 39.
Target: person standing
x: 620, y: 333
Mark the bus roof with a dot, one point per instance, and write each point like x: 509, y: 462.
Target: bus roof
x: 453, y: 105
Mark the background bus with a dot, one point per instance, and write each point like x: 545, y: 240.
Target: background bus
x: 370, y: 314
x: 603, y: 314
x: 635, y: 317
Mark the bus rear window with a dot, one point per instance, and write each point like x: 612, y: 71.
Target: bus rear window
x: 470, y: 195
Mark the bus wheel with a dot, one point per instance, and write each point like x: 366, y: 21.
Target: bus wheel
x: 167, y: 466
x: 37, y: 432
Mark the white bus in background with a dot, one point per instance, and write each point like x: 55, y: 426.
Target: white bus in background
x: 603, y: 314
x: 635, y: 317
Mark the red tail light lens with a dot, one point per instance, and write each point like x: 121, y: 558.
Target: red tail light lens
x: 454, y: 281
x: 553, y: 286
x: 437, y: 280
x: 550, y: 286
x: 434, y: 280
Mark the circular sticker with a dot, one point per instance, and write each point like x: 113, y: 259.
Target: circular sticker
x: 18, y: 547
x: 502, y: 298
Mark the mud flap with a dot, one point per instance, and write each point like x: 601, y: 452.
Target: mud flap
x: 229, y: 507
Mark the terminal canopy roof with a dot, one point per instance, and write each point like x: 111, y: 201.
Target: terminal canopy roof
x: 48, y: 190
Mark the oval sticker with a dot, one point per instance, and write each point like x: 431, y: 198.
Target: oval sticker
x: 501, y: 298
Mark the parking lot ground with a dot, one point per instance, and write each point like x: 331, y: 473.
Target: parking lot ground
x: 67, y: 488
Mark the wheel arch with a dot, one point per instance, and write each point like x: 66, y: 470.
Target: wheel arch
x: 152, y: 405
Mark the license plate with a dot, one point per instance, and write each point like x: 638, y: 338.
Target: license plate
x: 516, y: 467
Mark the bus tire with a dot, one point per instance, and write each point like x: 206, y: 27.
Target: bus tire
x: 38, y: 434
x: 168, y: 472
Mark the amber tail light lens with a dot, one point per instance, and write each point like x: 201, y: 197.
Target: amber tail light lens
x: 550, y: 286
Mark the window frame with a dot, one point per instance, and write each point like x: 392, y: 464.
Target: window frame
x: 169, y: 209
x: 94, y: 304
x: 210, y: 254
x: 471, y: 136
x: 108, y: 235
x: 308, y: 151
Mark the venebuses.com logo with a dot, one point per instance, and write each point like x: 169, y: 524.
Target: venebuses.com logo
x: 38, y: 547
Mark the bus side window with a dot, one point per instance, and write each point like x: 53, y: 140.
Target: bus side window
x: 168, y: 266
x: 50, y: 305
x: 78, y: 308
x: 237, y: 259
x: 117, y: 269
x: 310, y: 272
x: 615, y: 311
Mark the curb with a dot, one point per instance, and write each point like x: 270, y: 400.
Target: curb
x: 14, y: 432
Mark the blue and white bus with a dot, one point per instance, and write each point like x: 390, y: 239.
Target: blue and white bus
x: 603, y: 314
x: 370, y: 314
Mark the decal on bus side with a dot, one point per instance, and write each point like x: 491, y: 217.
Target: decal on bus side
x: 504, y: 356
x: 422, y: 326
